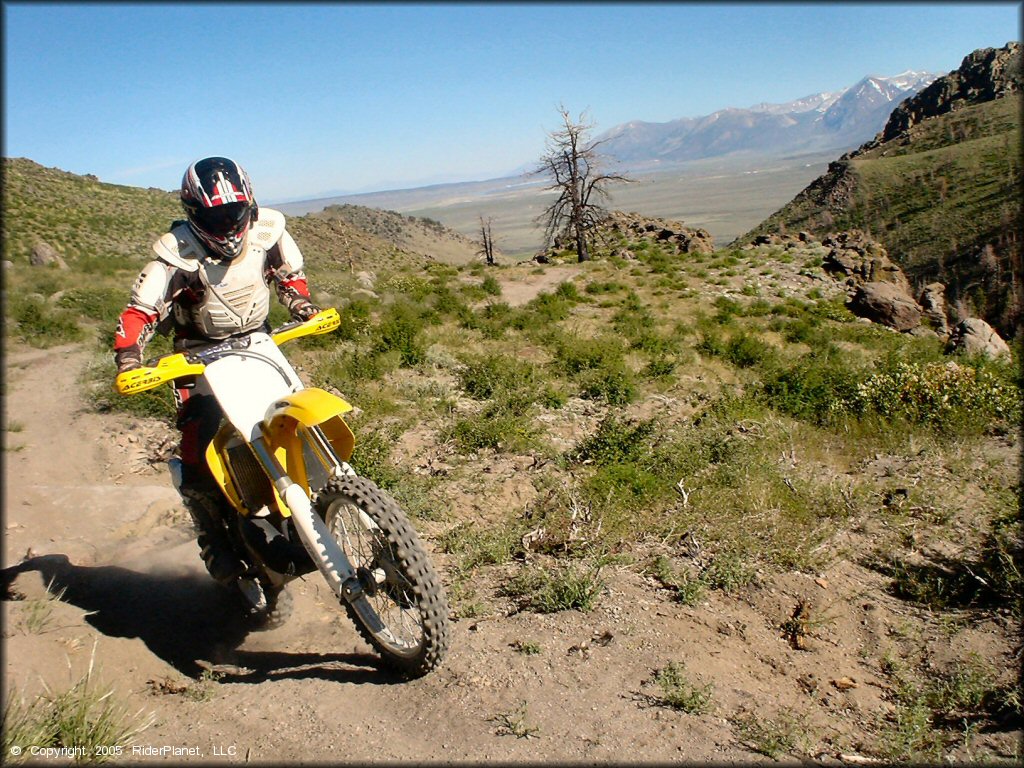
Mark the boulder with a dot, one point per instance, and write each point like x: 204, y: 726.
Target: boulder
x: 887, y: 304
x: 43, y: 255
x: 933, y: 304
x: 366, y: 280
x: 974, y: 336
x: 856, y: 257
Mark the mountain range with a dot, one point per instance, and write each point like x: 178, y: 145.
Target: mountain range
x: 725, y: 172
x: 939, y: 187
x: 835, y: 120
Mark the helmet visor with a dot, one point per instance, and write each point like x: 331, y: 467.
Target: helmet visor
x: 223, y: 220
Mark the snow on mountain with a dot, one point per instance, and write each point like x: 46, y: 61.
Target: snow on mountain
x: 833, y: 120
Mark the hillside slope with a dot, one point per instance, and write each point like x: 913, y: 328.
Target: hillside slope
x: 108, y: 227
x: 419, y: 235
x: 939, y: 187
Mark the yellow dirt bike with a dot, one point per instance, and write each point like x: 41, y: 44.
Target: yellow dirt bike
x: 280, y: 458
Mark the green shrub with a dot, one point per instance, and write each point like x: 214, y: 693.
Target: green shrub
x: 659, y: 367
x: 476, y: 546
x: 746, y: 350
x: 104, y: 304
x: 639, y: 328
x: 496, y: 428
x: 371, y: 457
x: 548, y: 591
x: 491, y: 286
x: 359, y: 364
x: 816, y: 388
x: 728, y: 572
x: 615, y: 384
x: 689, y: 590
x: 942, y: 394
x: 38, y: 324
x: 727, y: 309
x: 447, y: 303
x: 597, y: 287
x: 773, y: 737
x: 542, y: 311
x: 616, y: 441
x: 500, y: 377
x: 711, y: 344
x: 356, y: 321
x: 575, y: 354
x: 568, y: 291
x: 401, y: 329
x: 153, y: 404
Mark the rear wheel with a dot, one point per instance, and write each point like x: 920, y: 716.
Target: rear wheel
x: 402, y: 611
x: 279, y: 609
x: 266, y: 606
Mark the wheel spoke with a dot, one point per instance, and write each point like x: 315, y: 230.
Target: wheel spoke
x: 401, y: 611
x: 368, y: 549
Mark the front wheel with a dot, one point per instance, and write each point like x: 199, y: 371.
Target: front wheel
x: 402, y: 611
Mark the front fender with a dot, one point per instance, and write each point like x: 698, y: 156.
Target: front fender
x: 310, y: 408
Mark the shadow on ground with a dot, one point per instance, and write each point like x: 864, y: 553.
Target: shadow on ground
x: 183, y: 619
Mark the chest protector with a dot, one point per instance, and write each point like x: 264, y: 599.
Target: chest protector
x: 236, y: 295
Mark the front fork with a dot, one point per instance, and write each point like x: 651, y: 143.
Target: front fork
x: 328, y: 556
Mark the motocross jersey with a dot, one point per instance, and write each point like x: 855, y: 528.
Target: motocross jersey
x: 203, y: 298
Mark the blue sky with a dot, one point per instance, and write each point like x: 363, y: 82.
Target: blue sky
x: 318, y: 98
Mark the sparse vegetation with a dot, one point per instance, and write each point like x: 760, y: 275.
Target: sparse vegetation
x: 679, y: 693
x: 935, y: 712
x: 774, y: 737
x: 514, y: 723
x: 37, y: 612
x: 93, y: 725
x: 550, y: 590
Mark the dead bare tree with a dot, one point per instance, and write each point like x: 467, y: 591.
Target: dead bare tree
x: 487, y: 241
x: 572, y: 163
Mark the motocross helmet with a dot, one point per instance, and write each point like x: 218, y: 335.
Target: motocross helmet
x: 217, y: 197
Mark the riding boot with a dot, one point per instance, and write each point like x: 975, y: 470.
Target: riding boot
x: 209, y: 511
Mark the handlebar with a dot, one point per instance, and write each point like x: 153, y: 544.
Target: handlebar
x: 175, y: 365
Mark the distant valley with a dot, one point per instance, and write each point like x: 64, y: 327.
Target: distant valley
x: 724, y: 172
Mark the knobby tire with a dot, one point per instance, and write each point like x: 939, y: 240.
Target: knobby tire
x: 406, y: 620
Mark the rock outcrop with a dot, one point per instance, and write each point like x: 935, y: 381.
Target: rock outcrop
x: 856, y: 257
x: 933, y: 304
x: 984, y: 75
x: 976, y: 337
x: 682, y: 239
x: 877, y: 287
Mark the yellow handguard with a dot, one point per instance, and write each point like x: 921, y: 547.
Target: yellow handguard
x: 324, y: 321
x: 150, y: 377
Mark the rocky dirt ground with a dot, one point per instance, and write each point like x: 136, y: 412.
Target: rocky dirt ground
x: 90, y: 514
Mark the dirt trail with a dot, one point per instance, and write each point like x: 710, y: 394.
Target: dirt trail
x: 103, y: 525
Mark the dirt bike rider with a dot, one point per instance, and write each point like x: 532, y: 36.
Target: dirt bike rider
x: 210, y: 280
